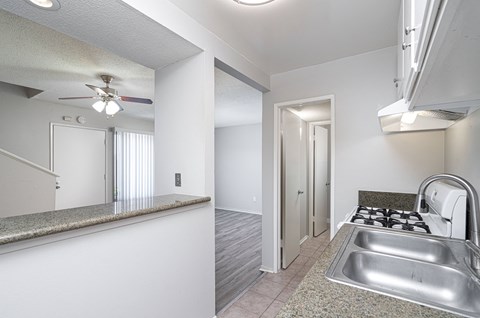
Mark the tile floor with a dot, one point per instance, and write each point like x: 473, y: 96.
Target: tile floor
x: 267, y: 296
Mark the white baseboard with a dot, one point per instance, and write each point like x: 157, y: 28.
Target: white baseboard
x: 303, y: 239
x: 241, y: 211
x: 267, y: 269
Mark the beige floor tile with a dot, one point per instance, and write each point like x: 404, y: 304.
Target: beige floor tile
x: 237, y: 312
x: 300, y: 260
x: 293, y: 268
x: 268, y: 288
x: 295, y: 281
x: 254, y: 302
x: 285, y: 294
x: 308, y: 251
x: 273, y: 309
x: 282, y: 277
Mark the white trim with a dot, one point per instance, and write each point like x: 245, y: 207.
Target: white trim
x: 276, y: 166
x: 240, y: 211
x: 267, y: 269
x: 27, y: 162
x: 304, y: 239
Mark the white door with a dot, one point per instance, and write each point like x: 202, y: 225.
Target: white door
x: 79, y: 160
x: 291, y: 187
x: 320, y: 181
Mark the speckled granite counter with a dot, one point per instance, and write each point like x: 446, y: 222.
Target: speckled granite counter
x: 318, y: 297
x: 19, y: 228
x: 390, y: 200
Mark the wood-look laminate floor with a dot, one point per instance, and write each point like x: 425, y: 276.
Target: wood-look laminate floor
x: 238, y: 254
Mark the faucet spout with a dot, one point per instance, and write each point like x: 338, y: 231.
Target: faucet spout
x: 472, y: 197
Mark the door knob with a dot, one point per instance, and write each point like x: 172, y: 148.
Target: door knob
x: 300, y: 192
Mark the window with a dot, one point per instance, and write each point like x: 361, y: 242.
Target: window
x: 133, y: 165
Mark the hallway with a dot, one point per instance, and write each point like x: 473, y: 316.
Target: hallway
x: 267, y: 296
x: 238, y: 254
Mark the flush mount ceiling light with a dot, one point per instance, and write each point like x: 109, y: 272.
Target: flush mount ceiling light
x: 253, y: 2
x: 52, y: 5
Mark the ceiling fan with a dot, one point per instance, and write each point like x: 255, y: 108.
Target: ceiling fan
x: 108, y: 97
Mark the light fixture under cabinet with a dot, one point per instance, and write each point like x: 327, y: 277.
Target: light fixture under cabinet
x: 398, y: 118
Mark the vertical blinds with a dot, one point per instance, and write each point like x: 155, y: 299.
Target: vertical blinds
x: 133, y: 165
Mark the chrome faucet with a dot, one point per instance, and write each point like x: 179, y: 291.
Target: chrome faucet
x: 471, y: 196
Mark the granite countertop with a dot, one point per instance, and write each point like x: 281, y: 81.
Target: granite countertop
x: 23, y: 227
x: 318, y: 297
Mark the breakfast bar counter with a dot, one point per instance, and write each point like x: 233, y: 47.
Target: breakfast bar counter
x: 30, y: 226
x: 316, y: 296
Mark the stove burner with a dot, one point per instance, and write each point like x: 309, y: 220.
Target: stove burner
x: 369, y: 220
x: 415, y: 226
x: 405, y: 215
x: 371, y: 211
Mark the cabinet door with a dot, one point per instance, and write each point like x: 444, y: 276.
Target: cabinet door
x: 409, y: 70
x: 424, y: 14
x: 419, y: 19
x: 400, y: 80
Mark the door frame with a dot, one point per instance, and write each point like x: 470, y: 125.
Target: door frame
x: 80, y: 127
x: 277, y: 107
x: 311, y: 176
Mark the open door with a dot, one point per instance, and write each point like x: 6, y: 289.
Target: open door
x: 292, y: 191
x: 320, y: 184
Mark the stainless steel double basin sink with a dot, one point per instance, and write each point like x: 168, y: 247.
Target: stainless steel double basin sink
x: 429, y: 270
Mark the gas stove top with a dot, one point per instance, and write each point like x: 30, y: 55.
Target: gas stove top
x: 389, y: 218
x: 445, y: 216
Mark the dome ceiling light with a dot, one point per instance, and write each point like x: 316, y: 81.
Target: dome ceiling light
x: 253, y: 2
x: 51, y: 5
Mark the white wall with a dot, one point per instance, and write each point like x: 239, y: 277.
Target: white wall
x: 365, y: 158
x: 184, y: 132
x: 24, y: 189
x: 238, y: 168
x: 25, y: 126
x: 145, y: 269
x: 184, y: 143
x: 462, y: 149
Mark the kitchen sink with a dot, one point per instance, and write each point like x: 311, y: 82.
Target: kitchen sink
x: 424, y: 269
x: 419, y: 248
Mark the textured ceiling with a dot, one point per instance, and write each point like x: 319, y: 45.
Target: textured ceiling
x: 289, y: 34
x: 312, y: 112
x: 236, y: 103
x: 39, y: 57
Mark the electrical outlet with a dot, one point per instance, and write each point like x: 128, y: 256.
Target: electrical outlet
x: 178, y: 179
x: 254, y: 199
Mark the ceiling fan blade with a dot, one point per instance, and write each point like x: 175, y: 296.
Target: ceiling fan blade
x: 97, y: 90
x: 89, y: 97
x: 136, y: 100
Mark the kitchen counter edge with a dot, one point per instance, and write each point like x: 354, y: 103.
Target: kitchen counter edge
x: 316, y: 296
x: 30, y: 226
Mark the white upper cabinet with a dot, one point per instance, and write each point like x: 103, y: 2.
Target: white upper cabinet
x: 416, y: 21
x: 439, y: 54
x: 450, y: 76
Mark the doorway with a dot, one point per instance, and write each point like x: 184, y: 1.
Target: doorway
x: 304, y: 146
x: 78, y: 156
x: 238, y: 187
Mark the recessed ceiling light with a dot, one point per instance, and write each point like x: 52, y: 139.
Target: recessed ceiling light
x: 252, y: 2
x: 45, y: 4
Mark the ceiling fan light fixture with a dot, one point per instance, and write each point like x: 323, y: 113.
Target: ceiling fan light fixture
x: 112, y: 108
x: 99, y: 106
x: 51, y: 5
x: 252, y: 2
